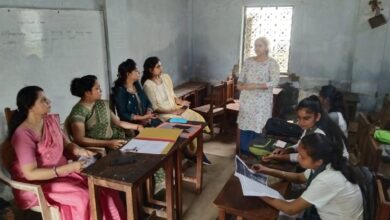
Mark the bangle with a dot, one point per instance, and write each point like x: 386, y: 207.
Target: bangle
x: 55, y: 171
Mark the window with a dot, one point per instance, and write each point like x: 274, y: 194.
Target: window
x: 273, y: 23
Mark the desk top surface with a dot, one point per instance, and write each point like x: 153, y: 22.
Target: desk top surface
x: 129, y: 174
x: 232, y: 200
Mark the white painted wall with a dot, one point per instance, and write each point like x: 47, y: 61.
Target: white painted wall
x: 139, y: 29
x: 331, y: 40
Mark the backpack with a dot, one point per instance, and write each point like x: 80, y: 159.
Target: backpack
x: 367, y: 184
x: 280, y: 127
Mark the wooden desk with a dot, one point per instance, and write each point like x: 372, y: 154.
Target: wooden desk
x: 194, y: 92
x: 128, y: 178
x: 198, y: 178
x: 232, y: 201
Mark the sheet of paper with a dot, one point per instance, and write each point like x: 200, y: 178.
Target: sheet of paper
x: 88, y: 160
x: 244, y: 170
x: 145, y: 146
x: 252, y: 183
x: 253, y: 188
x: 280, y: 144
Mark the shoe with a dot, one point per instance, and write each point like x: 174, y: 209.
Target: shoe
x: 206, y: 161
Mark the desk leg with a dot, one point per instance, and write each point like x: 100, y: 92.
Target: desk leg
x: 131, y: 202
x: 169, y: 188
x: 95, y: 211
x: 178, y: 183
x: 199, y: 164
x: 221, y: 214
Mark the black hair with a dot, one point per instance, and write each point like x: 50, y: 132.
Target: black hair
x: 149, y: 63
x: 124, y: 68
x: 25, y: 99
x: 319, y: 147
x: 79, y: 86
x: 335, y: 97
x: 312, y: 105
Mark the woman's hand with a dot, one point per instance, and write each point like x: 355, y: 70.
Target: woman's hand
x: 82, y: 152
x: 185, y: 103
x: 76, y: 166
x: 178, y: 111
x: 279, y: 151
x: 116, y: 143
x: 258, y: 168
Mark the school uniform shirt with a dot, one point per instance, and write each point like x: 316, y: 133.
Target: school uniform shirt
x: 334, y: 197
x: 294, y: 156
x: 338, y: 118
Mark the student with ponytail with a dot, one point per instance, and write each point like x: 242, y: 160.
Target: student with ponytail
x: 332, y: 192
x: 38, y: 144
x: 332, y: 102
x: 312, y: 119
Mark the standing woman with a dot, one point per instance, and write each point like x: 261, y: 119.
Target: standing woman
x: 259, y: 75
x: 38, y: 145
x: 131, y: 102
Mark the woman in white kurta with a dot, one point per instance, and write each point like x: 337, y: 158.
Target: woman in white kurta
x: 258, y: 76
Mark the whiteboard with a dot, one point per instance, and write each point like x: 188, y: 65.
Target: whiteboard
x: 49, y: 48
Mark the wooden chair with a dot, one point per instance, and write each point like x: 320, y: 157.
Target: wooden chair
x: 215, y: 108
x: 384, y: 117
x: 383, y: 200
x: 364, y: 130
x: 368, y: 150
x: 230, y: 90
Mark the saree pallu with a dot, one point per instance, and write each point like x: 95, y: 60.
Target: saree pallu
x: 97, y: 121
x: 70, y: 192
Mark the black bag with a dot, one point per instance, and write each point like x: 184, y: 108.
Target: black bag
x: 280, y: 127
x: 367, y: 185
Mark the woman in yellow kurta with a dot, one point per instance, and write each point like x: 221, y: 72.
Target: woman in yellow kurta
x: 158, y: 87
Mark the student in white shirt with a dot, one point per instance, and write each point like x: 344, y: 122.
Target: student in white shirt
x: 332, y: 192
x: 332, y: 101
x: 312, y: 119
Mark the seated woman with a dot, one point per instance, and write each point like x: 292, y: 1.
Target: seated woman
x: 91, y: 122
x: 39, y: 144
x: 158, y: 87
x: 332, y: 101
x: 130, y: 100
x: 332, y: 192
x: 312, y: 119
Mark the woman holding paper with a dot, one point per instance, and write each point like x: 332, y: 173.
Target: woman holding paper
x: 37, y: 156
x: 258, y: 76
x: 332, y: 192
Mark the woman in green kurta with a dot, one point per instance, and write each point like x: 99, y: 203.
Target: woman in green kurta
x: 91, y: 122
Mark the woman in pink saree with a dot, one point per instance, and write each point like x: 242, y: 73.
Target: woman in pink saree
x: 39, y: 144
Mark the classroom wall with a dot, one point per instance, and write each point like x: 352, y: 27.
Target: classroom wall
x: 135, y: 29
x: 139, y: 29
x: 331, y: 41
